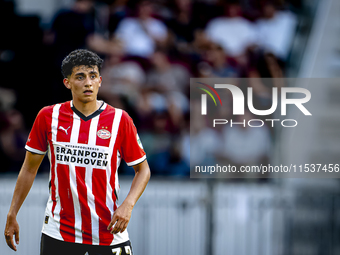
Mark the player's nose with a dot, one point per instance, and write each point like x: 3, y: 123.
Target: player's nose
x: 88, y: 82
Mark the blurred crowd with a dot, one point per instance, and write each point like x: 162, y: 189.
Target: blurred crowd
x: 151, y: 49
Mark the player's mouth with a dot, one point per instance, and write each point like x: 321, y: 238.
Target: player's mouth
x: 88, y: 92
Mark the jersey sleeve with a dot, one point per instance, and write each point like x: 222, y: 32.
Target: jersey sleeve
x: 131, y: 147
x: 37, y: 139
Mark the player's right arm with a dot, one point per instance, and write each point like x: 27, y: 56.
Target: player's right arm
x: 24, y: 183
x: 36, y: 147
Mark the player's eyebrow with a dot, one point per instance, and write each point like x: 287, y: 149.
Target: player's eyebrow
x: 83, y: 74
x: 79, y: 74
x: 93, y: 72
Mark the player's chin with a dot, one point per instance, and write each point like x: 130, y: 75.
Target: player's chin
x: 89, y: 98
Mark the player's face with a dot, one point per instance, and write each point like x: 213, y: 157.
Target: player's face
x: 84, y: 83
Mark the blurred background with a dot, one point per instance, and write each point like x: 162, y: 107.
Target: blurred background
x: 151, y: 49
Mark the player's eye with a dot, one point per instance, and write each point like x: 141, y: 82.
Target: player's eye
x: 80, y: 77
x: 93, y: 76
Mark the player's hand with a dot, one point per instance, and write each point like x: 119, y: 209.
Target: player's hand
x: 12, y: 228
x: 120, y: 219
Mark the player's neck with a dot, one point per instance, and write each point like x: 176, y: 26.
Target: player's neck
x: 86, y: 108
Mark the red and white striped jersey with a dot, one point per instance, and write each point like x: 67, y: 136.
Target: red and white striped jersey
x: 84, y: 153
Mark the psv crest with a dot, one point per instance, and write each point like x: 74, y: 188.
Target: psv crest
x: 103, y: 134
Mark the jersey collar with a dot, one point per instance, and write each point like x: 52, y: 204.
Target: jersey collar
x: 86, y: 118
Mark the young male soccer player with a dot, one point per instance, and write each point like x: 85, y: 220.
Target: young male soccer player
x: 85, y: 140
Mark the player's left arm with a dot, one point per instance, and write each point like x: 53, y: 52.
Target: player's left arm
x: 121, y: 216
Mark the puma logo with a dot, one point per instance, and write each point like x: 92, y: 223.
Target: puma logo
x: 64, y: 129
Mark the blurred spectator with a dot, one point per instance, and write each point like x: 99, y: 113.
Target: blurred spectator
x: 7, y: 99
x: 218, y: 60
x: 165, y: 76
x: 72, y: 27
x: 184, y: 143
x: 13, y: 136
x: 178, y: 165
x: 275, y: 30
x: 142, y: 34
x: 233, y: 32
x: 81, y: 26
x: 121, y: 78
x: 157, y: 142
x: 204, y: 70
x: 183, y: 23
x: 163, y: 147
x: 150, y: 102
x: 174, y: 103
x: 167, y: 86
x: 21, y: 52
x: 118, y: 11
x: 9, y: 40
x: 270, y: 66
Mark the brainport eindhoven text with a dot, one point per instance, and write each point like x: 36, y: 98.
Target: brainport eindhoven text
x: 84, y: 156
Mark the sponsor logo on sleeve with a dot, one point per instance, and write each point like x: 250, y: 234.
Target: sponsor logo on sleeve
x: 139, y: 142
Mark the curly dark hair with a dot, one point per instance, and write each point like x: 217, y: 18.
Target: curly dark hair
x: 78, y: 58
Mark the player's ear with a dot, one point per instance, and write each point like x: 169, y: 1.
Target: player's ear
x: 67, y: 83
x: 100, y: 83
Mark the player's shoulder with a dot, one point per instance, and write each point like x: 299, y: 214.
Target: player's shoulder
x: 114, y: 110
x: 48, y: 110
x: 124, y: 115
